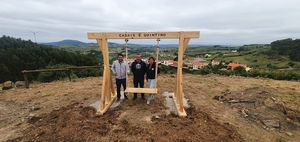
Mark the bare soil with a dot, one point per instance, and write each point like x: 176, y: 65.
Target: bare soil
x: 60, y: 111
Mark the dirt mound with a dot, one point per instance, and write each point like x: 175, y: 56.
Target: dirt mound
x: 260, y: 105
x: 77, y: 123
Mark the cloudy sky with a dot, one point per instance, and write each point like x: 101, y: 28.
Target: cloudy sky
x: 219, y: 21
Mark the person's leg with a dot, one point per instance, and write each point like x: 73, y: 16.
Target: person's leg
x: 142, y: 86
x: 124, y: 86
x: 135, y: 83
x: 151, y: 83
x: 118, y: 83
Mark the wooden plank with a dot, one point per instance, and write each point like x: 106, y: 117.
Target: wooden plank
x: 107, y: 68
x: 69, y: 74
x: 44, y: 70
x: 60, y: 69
x: 180, y: 59
x: 106, y: 107
x: 102, y: 100
x: 83, y: 67
x: 141, y: 90
x: 143, y: 35
x: 26, y: 80
x: 112, y: 87
x: 180, y: 113
x: 185, y: 43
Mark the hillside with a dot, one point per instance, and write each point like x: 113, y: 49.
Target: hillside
x: 43, y: 112
x: 17, y: 55
x: 259, y: 57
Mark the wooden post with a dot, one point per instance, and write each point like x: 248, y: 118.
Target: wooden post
x: 180, y: 58
x: 107, y: 85
x: 178, y: 93
x: 26, y: 80
x: 69, y: 74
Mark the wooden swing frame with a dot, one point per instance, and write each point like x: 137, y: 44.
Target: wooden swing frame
x: 108, y: 94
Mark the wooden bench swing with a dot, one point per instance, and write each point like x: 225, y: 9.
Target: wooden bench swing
x: 108, y: 94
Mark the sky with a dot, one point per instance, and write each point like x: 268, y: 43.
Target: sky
x: 220, y: 22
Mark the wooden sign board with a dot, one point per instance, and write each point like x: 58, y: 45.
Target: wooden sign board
x: 143, y: 35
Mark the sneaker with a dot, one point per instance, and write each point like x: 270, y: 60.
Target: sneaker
x: 125, y: 96
x: 148, y: 102
x: 118, y: 99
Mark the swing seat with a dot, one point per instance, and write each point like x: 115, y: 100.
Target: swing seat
x: 141, y: 90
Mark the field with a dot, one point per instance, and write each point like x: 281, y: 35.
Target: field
x: 260, y: 58
x: 220, y: 109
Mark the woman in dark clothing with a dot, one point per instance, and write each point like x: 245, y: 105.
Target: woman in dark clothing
x: 151, y: 76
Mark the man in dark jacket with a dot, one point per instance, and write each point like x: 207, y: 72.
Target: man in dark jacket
x: 138, y: 68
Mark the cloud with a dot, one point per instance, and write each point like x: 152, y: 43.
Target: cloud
x: 219, y: 21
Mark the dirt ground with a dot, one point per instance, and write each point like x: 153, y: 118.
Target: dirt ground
x: 221, y: 109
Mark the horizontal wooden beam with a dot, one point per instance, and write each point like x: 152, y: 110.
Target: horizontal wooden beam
x: 83, y: 67
x: 143, y: 35
x: 44, y: 70
x: 141, y: 90
x: 60, y: 69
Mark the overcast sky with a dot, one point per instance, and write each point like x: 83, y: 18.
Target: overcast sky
x: 219, y: 21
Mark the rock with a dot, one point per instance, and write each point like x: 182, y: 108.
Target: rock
x: 20, y: 84
x: 289, y: 134
x: 271, y: 123
x: 245, y: 112
x: 31, y: 115
x: 34, y: 108
x: 8, y: 85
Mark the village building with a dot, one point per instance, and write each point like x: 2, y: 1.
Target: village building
x: 232, y: 66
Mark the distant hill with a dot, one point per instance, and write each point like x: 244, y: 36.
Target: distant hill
x: 70, y: 42
x: 116, y: 45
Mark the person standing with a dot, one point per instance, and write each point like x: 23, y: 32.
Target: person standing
x: 138, y: 68
x: 119, y: 69
x: 150, y: 76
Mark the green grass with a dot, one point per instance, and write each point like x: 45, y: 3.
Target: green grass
x: 258, y: 59
x: 255, y: 56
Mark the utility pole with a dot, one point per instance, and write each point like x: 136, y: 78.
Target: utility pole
x: 34, y: 35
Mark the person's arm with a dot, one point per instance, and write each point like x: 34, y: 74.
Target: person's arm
x: 133, y: 68
x: 113, y: 68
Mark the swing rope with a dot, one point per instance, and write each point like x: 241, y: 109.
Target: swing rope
x: 156, y: 65
x: 127, y: 67
x: 126, y: 61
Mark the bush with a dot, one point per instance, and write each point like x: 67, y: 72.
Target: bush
x: 240, y: 71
